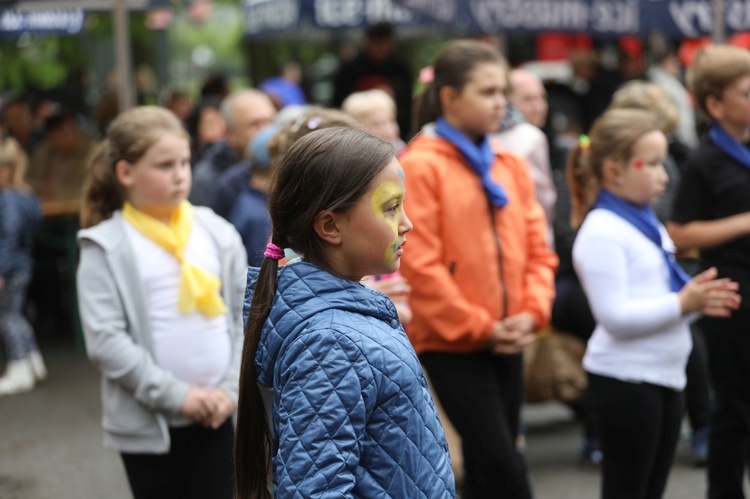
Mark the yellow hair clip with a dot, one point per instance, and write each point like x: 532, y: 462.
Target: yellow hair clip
x: 584, y: 142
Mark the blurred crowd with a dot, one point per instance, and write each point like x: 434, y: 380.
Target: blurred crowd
x: 237, y: 138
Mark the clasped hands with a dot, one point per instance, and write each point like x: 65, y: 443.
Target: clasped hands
x: 207, y: 407
x: 510, y: 335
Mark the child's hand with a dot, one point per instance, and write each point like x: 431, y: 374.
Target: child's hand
x: 522, y: 322
x: 510, y: 336
x: 710, y: 296
x: 198, y: 405
x: 223, y: 408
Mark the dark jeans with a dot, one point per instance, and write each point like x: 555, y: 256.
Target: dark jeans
x: 481, y: 395
x: 639, y: 425
x: 198, y: 466
x: 728, y: 345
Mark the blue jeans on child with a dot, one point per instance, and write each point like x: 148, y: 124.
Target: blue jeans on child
x: 15, y: 331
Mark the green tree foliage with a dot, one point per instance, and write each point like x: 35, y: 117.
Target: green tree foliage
x: 37, y: 62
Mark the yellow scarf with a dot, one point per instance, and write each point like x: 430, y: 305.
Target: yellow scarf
x: 199, y: 289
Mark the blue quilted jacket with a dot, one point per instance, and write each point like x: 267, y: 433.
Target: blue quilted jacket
x: 352, y: 413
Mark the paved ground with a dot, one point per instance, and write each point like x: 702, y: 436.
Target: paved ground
x: 50, y: 444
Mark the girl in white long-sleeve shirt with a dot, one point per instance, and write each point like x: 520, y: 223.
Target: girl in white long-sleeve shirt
x: 641, y: 300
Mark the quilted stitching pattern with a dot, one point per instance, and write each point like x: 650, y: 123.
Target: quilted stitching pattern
x: 353, y: 416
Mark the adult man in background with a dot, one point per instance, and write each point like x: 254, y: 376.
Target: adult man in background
x: 245, y: 112
x: 527, y: 94
x: 527, y: 97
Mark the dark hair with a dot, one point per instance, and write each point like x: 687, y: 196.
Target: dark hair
x: 452, y: 68
x: 193, y: 121
x: 215, y: 85
x: 326, y: 170
x: 612, y: 137
x: 129, y: 136
x: 379, y: 31
x: 58, y: 119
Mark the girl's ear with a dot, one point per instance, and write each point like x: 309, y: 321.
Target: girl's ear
x: 124, y: 173
x: 327, y: 229
x: 611, y: 171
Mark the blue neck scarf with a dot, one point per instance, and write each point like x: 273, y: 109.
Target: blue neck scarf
x: 479, y: 158
x: 644, y: 219
x: 729, y: 145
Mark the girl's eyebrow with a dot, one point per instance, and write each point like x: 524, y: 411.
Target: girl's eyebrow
x: 393, y: 197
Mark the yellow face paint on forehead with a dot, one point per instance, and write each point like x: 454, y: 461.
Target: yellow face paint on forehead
x: 382, y: 196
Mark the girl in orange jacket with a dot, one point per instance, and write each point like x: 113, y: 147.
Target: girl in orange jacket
x: 481, y: 272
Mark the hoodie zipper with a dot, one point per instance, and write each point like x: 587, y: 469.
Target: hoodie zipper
x: 499, y: 248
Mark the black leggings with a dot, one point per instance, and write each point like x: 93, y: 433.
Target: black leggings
x: 481, y: 395
x: 639, y: 425
x: 728, y: 342
x: 198, y: 466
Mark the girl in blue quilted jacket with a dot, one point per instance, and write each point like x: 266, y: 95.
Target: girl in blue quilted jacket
x: 352, y: 413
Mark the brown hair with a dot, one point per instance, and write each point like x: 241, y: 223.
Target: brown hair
x: 612, y: 137
x: 129, y: 136
x: 327, y: 170
x: 714, y: 69
x: 649, y: 97
x: 452, y: 67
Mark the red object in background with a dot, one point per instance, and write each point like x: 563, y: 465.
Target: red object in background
x: 559, y: 46
x: 632, y: 46
x: 690, y: 47
x: 741, y: 40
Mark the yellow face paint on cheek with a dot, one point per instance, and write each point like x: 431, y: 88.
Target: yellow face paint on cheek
x: 384, y: 193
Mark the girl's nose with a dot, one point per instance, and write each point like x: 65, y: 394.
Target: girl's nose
x: 405, y: 225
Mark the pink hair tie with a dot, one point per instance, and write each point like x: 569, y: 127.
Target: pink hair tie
x: 426, y: 75
x: 274, y: 252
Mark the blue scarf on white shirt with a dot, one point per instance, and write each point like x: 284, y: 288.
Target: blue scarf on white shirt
x: 644, y: 219
x: 729, y: 145
x: 479, y: 157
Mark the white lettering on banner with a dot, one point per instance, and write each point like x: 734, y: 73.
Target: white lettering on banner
x: 492, y: 15
x: 614, y: 17
x: 441, y: 10
x: 280, y: 14
x: 385, y: 10
x: 685, y: 14
x: 59, y: 20
x: 271, y: 15
x: 738, y: 15
x: 339, y: 13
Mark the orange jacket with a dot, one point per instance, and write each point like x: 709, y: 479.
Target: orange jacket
x: 467, y: 273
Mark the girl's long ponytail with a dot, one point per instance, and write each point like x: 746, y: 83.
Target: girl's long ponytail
x: 252, y: 448
x: 426, y: 108
x: 103, y: 194
x: 582, y: 182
